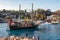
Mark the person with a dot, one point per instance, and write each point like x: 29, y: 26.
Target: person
x: 10, y: 22
x: 26, y: 34
x: 17, y: 16
x: 38, y: 37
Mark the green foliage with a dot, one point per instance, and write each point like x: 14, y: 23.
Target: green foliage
x: 22, y: 16
x: 40, y: 10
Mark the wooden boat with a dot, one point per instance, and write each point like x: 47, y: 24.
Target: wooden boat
x: 21, y: 25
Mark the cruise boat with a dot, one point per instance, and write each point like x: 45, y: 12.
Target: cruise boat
x: 22, y: 24
x: 55, y: 21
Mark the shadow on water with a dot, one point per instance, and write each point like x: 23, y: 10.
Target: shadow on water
x: 5, y: 31
x: 22, y: 32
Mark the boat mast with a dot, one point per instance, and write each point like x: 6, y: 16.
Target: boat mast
x: 19, y: 12
x: 32, y: 8
x: 19, y: 9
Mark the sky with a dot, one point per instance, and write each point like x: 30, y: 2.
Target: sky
x: 26, y: 4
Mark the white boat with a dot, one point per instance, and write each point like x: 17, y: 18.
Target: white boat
x: 38, y: 22
x: 55, y: 22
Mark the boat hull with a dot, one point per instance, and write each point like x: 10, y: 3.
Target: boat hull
x: 55, y: 22
x: 19, y: 27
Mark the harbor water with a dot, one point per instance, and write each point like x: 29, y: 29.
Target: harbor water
x: 45, y: 31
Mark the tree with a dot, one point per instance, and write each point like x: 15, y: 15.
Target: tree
x: 58, y: 11
x: 48, y: 12
x: 40, y: 11
x: 4, y: 10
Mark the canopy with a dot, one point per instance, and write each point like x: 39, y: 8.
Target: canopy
x: 26, y: 19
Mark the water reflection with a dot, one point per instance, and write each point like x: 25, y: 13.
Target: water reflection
x: 22, y: 32
x: 45, y: 31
